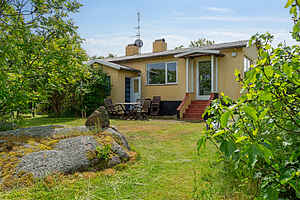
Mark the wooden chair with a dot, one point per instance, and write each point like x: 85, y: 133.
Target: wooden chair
x: 155, y: 105
x: 113, y: 110
x: 143, y: 112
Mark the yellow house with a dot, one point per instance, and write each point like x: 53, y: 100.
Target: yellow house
x: 185, y: 79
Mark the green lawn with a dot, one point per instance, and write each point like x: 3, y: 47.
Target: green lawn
x: 167, y: 167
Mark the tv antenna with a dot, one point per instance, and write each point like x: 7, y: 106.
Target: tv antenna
x: 138, y: 42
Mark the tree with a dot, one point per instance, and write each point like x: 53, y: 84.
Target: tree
x: 201, y: 42
x: 110, y: 55
x: 40, y: 52
x: 259, y: 134
x: 197, y: 43
x: 179, y: 47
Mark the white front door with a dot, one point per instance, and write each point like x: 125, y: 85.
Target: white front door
x: 203, y: 80
x: 135, y: 89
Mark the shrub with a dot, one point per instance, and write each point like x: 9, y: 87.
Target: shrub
x: 259, y: 134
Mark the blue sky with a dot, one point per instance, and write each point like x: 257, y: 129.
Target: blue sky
x: 108, y: 26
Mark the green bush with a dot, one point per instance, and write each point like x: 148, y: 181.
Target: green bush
x: 259, y: 134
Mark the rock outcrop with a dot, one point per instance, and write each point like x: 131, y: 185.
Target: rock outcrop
x: 75, y: 154
x: 98, y: 119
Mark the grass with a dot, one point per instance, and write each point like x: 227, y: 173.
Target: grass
x: 167, y: 167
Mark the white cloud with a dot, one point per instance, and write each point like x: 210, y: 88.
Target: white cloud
x: 101, y: 45
x: 232, y: 19
x: 215, y: 9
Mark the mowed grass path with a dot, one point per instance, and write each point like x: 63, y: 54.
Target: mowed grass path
x: 167, y: 167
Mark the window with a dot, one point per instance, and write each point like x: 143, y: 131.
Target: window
x: 162, y: 73
x: 135, y: 86
x: 247, y: 64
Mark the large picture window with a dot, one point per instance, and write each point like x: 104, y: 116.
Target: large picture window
x: 162, y: 73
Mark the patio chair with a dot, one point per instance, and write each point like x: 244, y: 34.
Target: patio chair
x: 143, y: 112
x: 155, y: 105
x: 113, y: 110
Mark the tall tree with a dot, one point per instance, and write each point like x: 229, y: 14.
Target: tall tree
x: 40, y: 51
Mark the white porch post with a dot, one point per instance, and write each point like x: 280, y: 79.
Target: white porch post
x: 187, y: 74
x: 217, y: 74
x: 192, y: 75
x: 212, y: 73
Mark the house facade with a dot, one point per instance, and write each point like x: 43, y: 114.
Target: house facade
x: 183, y: 78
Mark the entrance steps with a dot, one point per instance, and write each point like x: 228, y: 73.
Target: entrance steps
x: 195, y: 110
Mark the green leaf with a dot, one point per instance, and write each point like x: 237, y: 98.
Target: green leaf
x: 201, y: 143
x: 251, y: 112
x: 271, y: 194
x: 263, y: 114
x: 269, y: 71
x: 220, y: 132
x: 224, y: 119
x: 227, y: 147
x: 252, y: 155
x: 289, y: 3
x: 240, y: 139
x: 287, y: 176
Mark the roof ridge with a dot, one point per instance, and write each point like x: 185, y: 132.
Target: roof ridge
x: 223, y: 45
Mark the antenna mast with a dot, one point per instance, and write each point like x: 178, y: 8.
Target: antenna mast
x: 138, y: 42
x: 138, y: 35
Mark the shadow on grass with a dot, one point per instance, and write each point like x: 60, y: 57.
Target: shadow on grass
x: 45, y: 120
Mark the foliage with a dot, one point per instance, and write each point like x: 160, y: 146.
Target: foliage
x: 259, y: 134
x: 201, y: 42
x: 93, y: 90
x: 179, y: 47
x: 103, y: 153
x: 294, y: 6
x: 40, y: 53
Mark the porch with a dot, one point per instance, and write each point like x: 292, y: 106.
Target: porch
x: 201, y: 81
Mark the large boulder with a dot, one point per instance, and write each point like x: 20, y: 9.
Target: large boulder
x: 118, y: 136
x: 98, y: 119
x: 68, y: 155
x: 77, y: 154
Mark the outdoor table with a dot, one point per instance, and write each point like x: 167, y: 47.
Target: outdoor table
x: 129, y: 109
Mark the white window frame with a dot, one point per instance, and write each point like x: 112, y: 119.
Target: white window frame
x: 166, y: 73
x: 247, y: 64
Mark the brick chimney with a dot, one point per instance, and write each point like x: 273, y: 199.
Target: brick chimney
x: 159, y: 45
x: 132, y: 49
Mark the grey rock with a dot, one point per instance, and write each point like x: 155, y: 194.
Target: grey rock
x: 80, y: 143
x: 116, y: 134
x: 35, y: 131
x: 99, y: 119
x: 116, y: 148
x: 43, y: 163
x: 69, y: 155
x: 81, y: 129
x: 115, y: 160
x: 44, y: 131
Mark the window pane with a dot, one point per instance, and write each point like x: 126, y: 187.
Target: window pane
x: 156, y: 73
x: 204, y: 78
x: 171, y: 67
